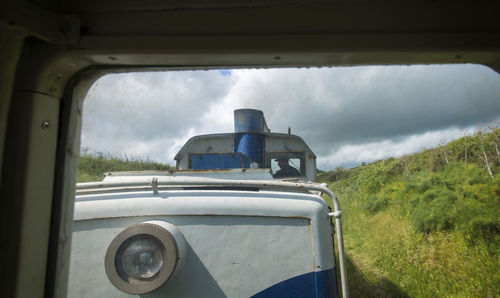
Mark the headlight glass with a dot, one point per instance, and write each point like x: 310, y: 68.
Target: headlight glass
x: 140, y: 257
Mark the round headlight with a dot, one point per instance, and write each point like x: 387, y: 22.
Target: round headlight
x: 140, y: 257
x: 143, y: 257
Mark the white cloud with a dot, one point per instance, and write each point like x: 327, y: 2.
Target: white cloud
x: 352, y: 155
x: 346, y: 115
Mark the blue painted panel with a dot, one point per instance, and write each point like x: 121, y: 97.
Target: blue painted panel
x: 326, y: 283
x: 313, y: 284
x: 208, y: 161
x: 249, y: 126
x: 252, y: 146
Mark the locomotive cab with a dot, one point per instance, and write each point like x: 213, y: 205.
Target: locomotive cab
x: 198, y: 154
x: 252, y: 145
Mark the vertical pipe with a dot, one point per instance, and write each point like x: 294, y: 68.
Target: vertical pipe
x: 343, y: 269
x: 252, y: 146
x: 248, y: 121
x: 249, y: 126
x: 340, y: 240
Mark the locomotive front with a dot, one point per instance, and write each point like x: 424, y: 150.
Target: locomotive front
x: 223, y: 225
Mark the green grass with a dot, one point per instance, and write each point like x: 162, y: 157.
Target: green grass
x: 93, y: 167
x: 389, y: 258
x: 433, y: 233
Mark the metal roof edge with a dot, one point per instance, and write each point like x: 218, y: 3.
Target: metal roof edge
x: 232, y: 134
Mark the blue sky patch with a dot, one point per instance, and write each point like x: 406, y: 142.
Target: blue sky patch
x: 225, y: 72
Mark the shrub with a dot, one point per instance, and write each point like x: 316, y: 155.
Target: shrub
x: 435, y: 211
x: 375, y: 204
x: 461, y: 197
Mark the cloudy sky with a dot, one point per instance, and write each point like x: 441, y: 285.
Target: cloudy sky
x: 346, y: 115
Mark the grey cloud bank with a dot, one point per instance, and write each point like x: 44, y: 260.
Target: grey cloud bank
x: 346, y: 115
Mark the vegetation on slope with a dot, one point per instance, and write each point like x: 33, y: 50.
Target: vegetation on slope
x: 92, y: 167
x: 425, y: 225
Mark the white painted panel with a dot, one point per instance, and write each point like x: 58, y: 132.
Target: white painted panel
x: 233, y: 256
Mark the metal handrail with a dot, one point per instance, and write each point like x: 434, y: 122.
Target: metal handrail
x: 158, y: 183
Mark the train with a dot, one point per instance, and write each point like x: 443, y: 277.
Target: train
x: 241, y: 216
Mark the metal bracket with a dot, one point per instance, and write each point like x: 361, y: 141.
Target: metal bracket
x: 154, y: 185
x: 336, y: 214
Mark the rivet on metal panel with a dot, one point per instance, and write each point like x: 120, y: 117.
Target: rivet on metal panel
x: 45, y: 125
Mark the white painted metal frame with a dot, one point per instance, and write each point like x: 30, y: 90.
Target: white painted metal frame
x: 163, y: 182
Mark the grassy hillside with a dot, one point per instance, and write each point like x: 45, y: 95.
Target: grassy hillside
x: 93, y: 167
x: 426, y: 225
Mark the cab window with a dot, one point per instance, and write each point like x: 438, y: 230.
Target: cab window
x: 286, y: 164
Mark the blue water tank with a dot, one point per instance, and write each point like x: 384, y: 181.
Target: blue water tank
x: 250, y: 126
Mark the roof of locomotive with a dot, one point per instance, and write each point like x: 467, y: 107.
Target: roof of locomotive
x: 230, y: 136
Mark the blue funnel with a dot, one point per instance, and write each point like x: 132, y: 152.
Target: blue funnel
x: 250, y: 127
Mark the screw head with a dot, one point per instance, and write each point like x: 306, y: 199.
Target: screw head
x: 64, y: 28
x: 45, y: 125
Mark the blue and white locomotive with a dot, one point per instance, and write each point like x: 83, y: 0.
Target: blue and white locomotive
x: 239, y: 218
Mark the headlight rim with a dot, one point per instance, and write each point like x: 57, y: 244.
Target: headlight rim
x: 142, y: 286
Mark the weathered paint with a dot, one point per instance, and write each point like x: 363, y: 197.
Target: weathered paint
x: 239, y: 242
